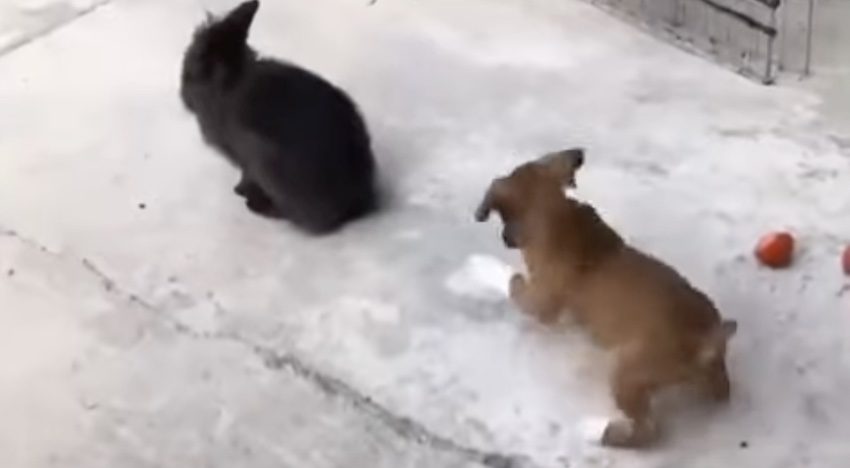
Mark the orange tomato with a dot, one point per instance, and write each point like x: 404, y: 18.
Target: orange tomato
x: 776, y: 249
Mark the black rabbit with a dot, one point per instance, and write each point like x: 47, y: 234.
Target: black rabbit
x: 300, y: 142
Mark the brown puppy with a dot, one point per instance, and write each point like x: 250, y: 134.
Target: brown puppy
x: 663, y: 331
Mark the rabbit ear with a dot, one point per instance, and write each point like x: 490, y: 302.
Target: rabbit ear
x: 237, y: 23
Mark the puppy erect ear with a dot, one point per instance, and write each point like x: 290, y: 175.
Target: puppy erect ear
x: 494, y: 199
x: 238, y: 22
x: 564, y: 164
x: 482, y: 213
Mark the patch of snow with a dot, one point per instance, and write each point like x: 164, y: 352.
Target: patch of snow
x: 481, y: 277
x: 592, y: 429
x: 21, y: 20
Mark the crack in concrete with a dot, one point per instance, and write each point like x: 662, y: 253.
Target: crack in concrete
x: 403, y: 426
x: 28, y: 241
x: 275, y: 360
x: 49, y: 29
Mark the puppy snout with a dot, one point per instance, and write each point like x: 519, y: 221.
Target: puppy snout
x: 577, y: 156
x: 580, y: 158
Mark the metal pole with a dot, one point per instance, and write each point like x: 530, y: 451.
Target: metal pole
x: 783, y: 36
x: 768, y: 71
x: 807, y: 69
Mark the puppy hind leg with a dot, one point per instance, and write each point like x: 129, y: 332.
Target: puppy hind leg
x: 633, y: 386
x: 715, y: 381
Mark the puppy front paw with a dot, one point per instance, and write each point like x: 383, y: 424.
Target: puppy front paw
x: 626, y: 433
x: 516, y: 286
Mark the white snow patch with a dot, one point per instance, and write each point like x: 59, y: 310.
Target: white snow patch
x: 21, y: 20
x: 593, y: 428
x: 481, y: 277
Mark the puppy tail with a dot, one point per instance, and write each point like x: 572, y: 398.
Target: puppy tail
x: 713, y: 346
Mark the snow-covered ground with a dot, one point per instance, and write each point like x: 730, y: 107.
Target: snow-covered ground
x: 147, y: 319
x: 24, y: 20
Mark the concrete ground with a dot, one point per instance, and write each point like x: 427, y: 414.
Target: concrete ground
x: 831, y: 66
x: 148, y: 320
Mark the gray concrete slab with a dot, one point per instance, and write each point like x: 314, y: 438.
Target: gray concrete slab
x: 152, y: 321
